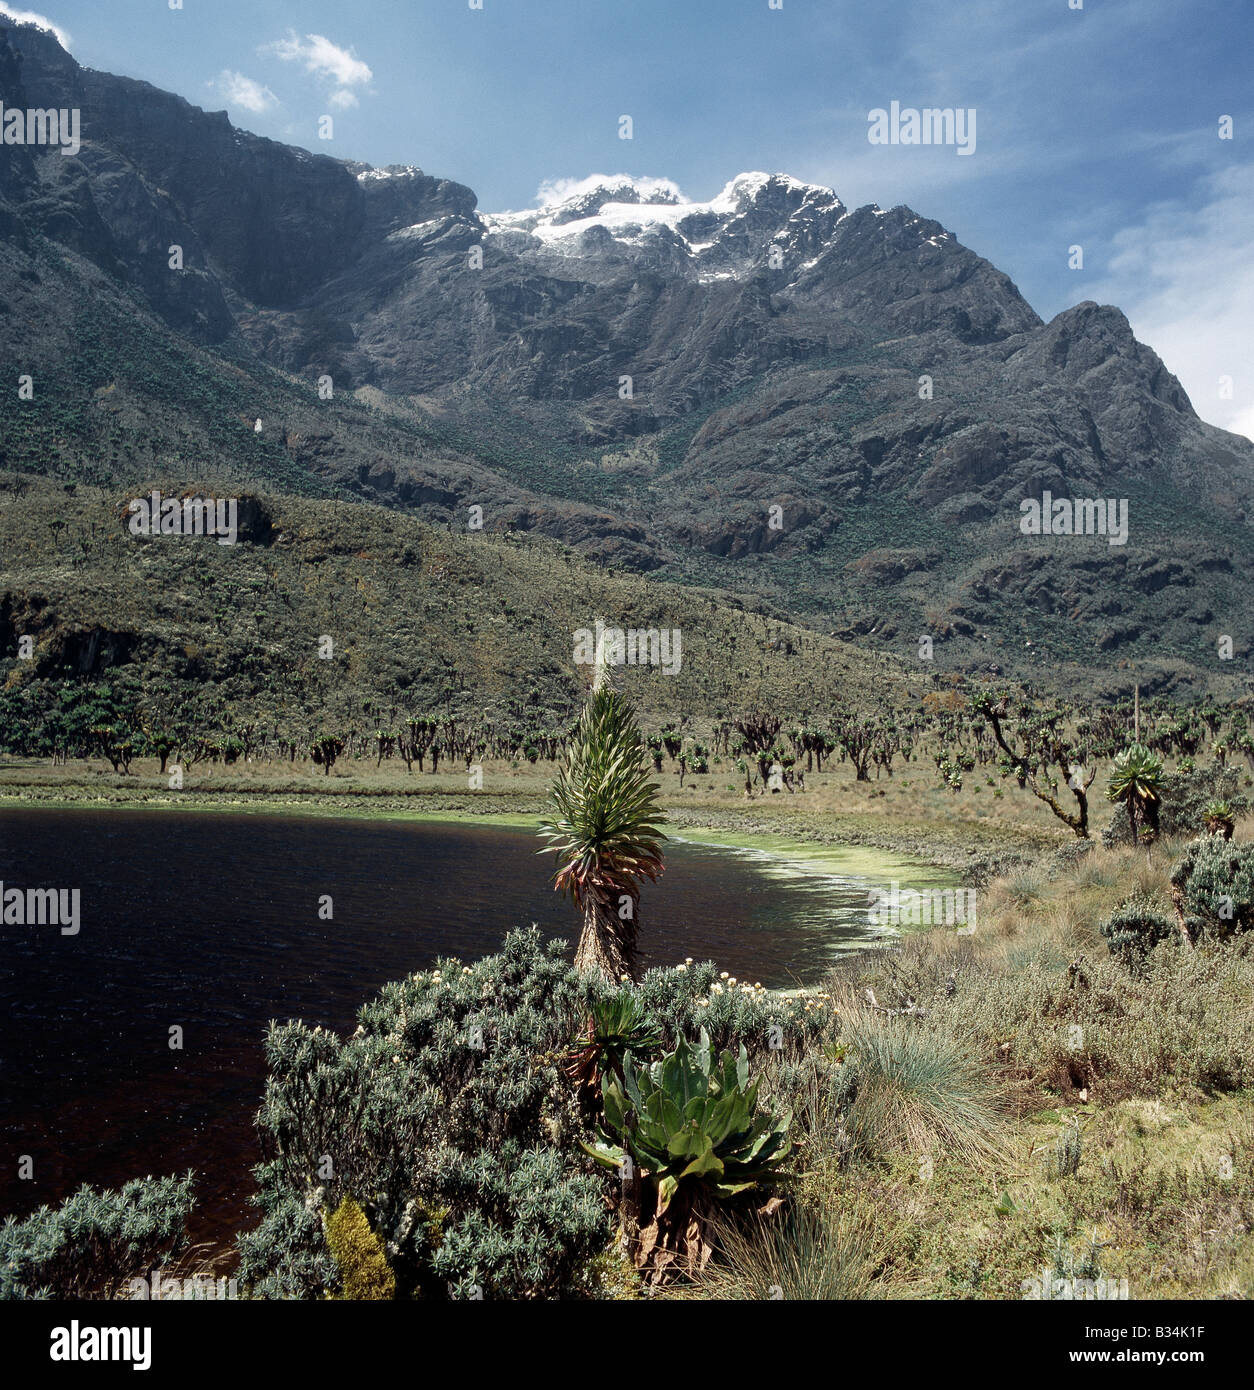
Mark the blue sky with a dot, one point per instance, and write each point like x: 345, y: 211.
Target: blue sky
x: 1096, y: 126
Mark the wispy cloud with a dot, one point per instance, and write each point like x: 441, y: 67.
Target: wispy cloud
x: 1184, y: 277
x: 243, y: 93
x: 323, y: 59
x: 31, y: 17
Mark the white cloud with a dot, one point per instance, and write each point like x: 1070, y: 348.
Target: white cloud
x: 324, y: 59
x: 240, y: 92
x: 30, y: 17
x: 1185, y: 279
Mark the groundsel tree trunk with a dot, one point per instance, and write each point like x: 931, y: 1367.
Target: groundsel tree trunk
x: 607, y: 944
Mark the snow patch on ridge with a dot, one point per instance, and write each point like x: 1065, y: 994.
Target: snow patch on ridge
x: 755, y: 220
x: 629, y: 207
x: 392, y: 171
x: 556, y: 192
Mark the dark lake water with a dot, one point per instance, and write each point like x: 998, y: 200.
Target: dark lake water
x: 210, y: 922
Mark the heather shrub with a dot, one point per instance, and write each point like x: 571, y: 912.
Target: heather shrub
x: 92, y: 1243
x: 685, y: 1000
x: 1135, y: 928
x: 1069, y: 856
x: 447, y: 1118
x: 286, y: 1254
x: 528, y: 1225
x: 1213, y: 886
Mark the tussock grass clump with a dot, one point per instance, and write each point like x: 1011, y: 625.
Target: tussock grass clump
x: 919, y: 1091
x: 802, y: 1252
x: 1024, y: 887
x: 1093, y: 871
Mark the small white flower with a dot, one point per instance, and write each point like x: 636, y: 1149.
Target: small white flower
x: 722, y: 974
x: 681, y: 968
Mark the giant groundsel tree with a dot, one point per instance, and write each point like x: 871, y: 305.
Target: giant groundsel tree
x: 603, y: 825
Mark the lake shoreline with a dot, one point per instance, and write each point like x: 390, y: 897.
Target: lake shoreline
x: 793, y: 831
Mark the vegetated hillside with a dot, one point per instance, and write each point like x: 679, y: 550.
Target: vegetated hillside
x: 423, y: 621
x: 881, y: 386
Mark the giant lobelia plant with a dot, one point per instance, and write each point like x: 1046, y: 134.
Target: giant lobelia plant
x: 685, y: 1132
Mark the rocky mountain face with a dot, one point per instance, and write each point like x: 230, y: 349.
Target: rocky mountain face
x: 838, y: 409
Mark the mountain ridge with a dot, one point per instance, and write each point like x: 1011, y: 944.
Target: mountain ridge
x: 651, y: 380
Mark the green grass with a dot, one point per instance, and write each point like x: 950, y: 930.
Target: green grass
x: 920, y: 1092
x: 423, y: 619
x: 1123, y: 1150
x: 801, y: 1253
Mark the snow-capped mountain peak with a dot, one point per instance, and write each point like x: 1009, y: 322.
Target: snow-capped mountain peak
x: 631, y: 215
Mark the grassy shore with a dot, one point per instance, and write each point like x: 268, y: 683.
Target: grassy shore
x: 1047, y: 1110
